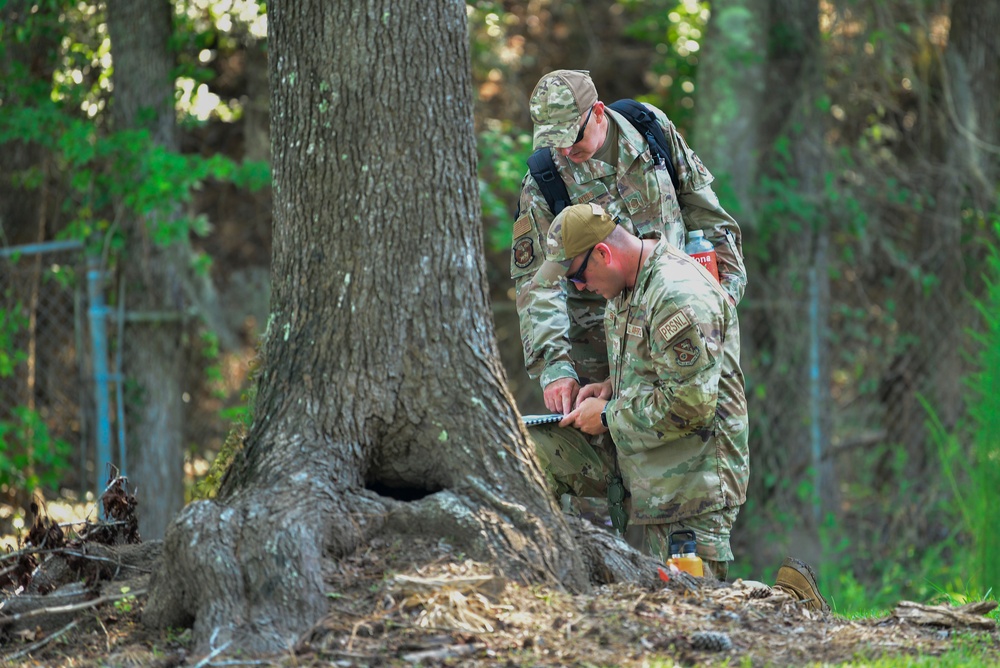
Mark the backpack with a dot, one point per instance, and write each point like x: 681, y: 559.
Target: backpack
x: 543, y: 168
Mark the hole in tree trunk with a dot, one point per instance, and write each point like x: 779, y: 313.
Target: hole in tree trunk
x: 399, y: 492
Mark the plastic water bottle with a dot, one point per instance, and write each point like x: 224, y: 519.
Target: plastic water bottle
x: 683, y: 553
x: 702, y: 250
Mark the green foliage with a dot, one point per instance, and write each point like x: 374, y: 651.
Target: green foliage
x: 11, y: 323
x: 503, y: 158
x: 205, y: 34
x: 857, y: 583
x: 486, y: 33
x: 122, y: 169
x: 968, y: 651
x: 106, y: 171
x: 675, y: 29
x: 29, y: 456
x: 784, y: 204
x: 240, y: 418
x: 213, y: 369
x: 58, y: 108
x: 502, y: 150
x: 974, y: 469
x: 984, y: 409
x: 861, y: 572
x: 124, y: 604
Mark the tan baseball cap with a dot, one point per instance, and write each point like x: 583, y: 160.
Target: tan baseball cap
x: 575, y: 231
x: 557, y: 105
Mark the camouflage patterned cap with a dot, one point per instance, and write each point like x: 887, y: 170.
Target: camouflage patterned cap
x: 558, y: 103
x: 575, y: 231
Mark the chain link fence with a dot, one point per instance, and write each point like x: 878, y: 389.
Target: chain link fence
x: 45, y: 400
x: 53, y: 429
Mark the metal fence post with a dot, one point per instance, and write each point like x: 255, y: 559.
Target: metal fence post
x: 97, y: 313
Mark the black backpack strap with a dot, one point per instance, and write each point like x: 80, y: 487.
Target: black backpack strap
x: 645, y: 122
x: 553, y: 188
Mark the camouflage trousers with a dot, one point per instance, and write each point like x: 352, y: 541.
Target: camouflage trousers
x: 586, y: 332
x: 577, y: 464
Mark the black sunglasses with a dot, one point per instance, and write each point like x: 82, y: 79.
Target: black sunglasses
x: 583, y: 128
x: 577, y: 278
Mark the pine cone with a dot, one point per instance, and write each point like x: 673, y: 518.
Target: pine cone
x: 759, y: 592
x: 711, y: 641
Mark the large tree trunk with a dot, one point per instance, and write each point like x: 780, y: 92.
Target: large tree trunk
x: 382, y: 403
x: 731, y: 94
x: 974, y: 97
x: 962, y: 186
x: 143, y: 98
x: 26, y: 70
x: 787, y: 307
x: 161, y: 286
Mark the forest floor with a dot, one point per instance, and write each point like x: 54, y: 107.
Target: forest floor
x: 414, y: 603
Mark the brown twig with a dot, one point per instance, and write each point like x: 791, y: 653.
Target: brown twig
x: 75, y: 607
x: 41, y: 549
x: 71, y: 552
x: 41, y: 643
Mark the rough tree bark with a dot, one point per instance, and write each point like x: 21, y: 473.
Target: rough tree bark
x: 382, y: 404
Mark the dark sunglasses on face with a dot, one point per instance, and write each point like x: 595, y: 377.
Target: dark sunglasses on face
x: 577, y: 278
x: 583, y: 128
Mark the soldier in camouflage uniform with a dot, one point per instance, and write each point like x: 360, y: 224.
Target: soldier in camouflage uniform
x: 673, y: 402
x: 603, y: 159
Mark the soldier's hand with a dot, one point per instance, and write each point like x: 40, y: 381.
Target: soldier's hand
x: 597, y: 390
x: 586, y: 418
x: 560, y: 395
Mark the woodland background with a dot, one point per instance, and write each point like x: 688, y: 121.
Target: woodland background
x: 855, y: 141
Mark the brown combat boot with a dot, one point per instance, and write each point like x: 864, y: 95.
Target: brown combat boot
x: 798, y: 580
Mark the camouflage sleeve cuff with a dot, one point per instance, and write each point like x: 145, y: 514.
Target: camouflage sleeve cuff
x: 557, y: 370
x: 734, y: 285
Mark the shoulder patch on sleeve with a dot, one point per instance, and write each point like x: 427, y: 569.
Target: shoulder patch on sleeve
x: 674, y: 325
x: 687, y: 353
x: 521, y: 227
x: 699, y: 165
x: 524, y: 252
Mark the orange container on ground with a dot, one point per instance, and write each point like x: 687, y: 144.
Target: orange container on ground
x: 683, y: 553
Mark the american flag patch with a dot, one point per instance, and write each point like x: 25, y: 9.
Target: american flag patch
x: 522, y: 227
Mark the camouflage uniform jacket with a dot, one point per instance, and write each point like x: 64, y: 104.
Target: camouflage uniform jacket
x: 640, y: 196
x: 678, y: 413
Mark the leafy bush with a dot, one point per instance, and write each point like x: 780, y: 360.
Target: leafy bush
x: 30, y: 457
x: 503, y: 162
x: 970, y: 453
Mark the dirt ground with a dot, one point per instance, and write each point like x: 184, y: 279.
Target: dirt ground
x: 397, y: 604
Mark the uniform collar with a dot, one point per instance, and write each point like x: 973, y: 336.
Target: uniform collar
x: 631, y: 145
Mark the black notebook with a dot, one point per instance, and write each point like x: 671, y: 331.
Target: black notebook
x: 533, y: 420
